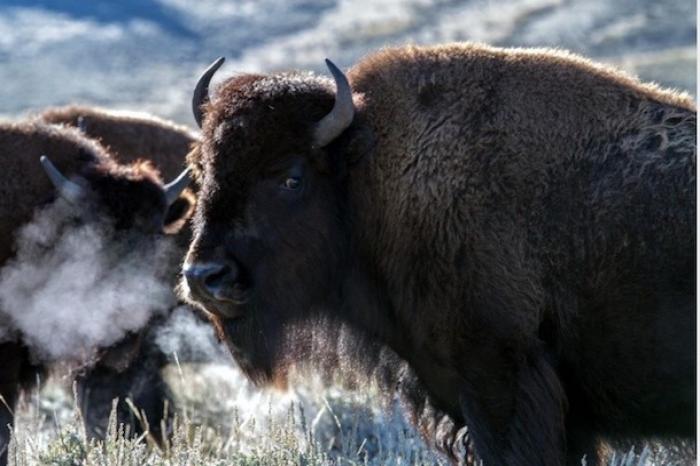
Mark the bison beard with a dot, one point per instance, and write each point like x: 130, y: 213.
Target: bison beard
x: 342, y: 353
x: 518, y: 226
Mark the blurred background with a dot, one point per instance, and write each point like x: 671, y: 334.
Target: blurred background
x: 146, y: 54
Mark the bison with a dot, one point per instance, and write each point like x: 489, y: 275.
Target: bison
x: 518, y: 225
x: 128, y: 136
x: 131, y: 368
x: 132, y: 198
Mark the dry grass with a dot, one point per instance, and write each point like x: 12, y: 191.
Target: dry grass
x: 222, y: 420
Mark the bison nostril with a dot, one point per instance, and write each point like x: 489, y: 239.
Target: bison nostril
x: 217, y: 278
x: 198, y: 277
x: 215, y: 281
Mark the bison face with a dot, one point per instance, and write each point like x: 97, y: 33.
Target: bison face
x: 130, y: 198
x: 270, y: 244
x: 134, y: 199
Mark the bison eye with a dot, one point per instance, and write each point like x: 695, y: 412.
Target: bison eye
x: 292, y: 179
x: 292, y: 183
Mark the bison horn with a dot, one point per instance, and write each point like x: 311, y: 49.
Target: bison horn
x: 70, y: 191
x: 340, y: 117
x: 175, y: 187
x: 200, y: 96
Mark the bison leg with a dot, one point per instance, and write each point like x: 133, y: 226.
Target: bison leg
x: 515, y: 409
x: 581, y: 443
x: 141, y: 382
x: 15, y: 360
x: 582, y: 438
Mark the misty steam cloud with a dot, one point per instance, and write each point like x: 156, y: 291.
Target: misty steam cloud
x: 76, y: 286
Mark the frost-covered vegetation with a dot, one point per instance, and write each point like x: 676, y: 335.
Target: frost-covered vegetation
x: 222, y: 420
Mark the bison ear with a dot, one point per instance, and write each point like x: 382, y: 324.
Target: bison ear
x: 352, y: 146
x: 361, y: 142
x: 179, y: 211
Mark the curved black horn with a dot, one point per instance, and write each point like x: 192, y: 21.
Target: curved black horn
x: 340, y: 117
x: 175, y: 187
x: 70, y: 191
x: 200, y: 96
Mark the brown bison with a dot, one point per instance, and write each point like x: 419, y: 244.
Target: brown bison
x: 131, y: 197
x: 132, y: 367
x: 129, y: 136
x: 517, y: 225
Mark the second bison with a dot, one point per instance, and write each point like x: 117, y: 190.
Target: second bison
x: 129, y: 197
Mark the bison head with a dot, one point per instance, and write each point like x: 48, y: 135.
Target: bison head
x: 271, y: 245
x: 131, y: 197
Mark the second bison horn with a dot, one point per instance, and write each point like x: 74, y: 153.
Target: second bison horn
x: 200, y: 96
x: 175, y: 187
x: 70, y: 191
x: 340, y: 117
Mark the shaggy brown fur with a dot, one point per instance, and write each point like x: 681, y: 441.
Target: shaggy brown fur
x: 129, y: 136
x: 130, y: 196
x: 517, y: 225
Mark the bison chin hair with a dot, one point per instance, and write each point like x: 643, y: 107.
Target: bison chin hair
x: 278, y: 352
